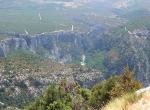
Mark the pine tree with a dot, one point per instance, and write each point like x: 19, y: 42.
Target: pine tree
x: 126, y: 83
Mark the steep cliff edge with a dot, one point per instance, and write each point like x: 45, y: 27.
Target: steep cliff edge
x: 58, y: 45
x: 101, y: 49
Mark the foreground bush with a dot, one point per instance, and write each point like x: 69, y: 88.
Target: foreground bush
x: 114, y: 87
x: 66, y: 96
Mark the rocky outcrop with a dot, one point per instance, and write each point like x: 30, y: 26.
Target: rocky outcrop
x: 55, y: 45
x: 130, y: 48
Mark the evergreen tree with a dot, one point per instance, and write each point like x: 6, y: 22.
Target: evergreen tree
x: 126, y: 83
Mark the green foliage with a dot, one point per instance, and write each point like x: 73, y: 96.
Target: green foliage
x: 29, y: 20
x: 22, y: 63
x: 114, y: 87
x: 65, y: 96
x: 85, y: 93
x: 24, y: 55
x: 18, y: 101
x: 20, y: 60
x: 70, y: 96
x: 126, y: 83
x: 100, y: 92
x: 96, y: 60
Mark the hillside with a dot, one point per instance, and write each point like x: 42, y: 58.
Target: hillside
x: 74, y: 54
x: 24, y: 76
x: 68, y: 94
x: 109, y: 51
x: 105, y: 36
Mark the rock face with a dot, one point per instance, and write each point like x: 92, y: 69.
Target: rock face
x: 130, y: 48
x: 25, y: 83
x: 120, y: 49
x: 55, y: 45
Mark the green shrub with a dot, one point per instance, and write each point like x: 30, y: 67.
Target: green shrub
x: 70, y: 96
x: 125, y: 83
x: 65, y: 96
x: 114, y: 87
x: 101, y: 93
